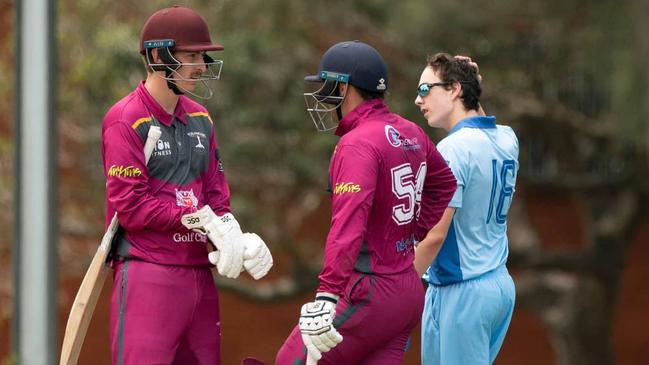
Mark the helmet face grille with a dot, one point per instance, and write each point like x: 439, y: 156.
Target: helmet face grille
x: 171, y: 65
x: 323, y: 103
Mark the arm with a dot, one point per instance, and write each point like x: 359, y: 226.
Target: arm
x: 427, y: 250
x: 353, y: 175
x: 439, y: 186
x: 429, y: 247
x: 127, y: 184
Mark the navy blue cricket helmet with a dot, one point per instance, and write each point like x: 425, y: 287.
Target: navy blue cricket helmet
x: 350, y: 62
x: 362, y: 64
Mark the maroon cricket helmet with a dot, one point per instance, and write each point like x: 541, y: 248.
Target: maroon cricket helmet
x: 184, y: 26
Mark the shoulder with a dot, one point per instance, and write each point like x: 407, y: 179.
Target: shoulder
x: 507, y: 131
x: 456, y: 142
x: 363, y: 135
x: 383, y: 133
x: 129, y: 112
x: 359, y: 142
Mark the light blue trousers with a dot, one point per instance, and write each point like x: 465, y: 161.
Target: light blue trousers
x: 465, y: 323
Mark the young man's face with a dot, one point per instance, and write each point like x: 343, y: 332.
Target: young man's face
x: 437, y: 104
x: 187, y: 75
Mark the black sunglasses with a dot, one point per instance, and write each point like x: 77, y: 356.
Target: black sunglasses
x: 424, y: 88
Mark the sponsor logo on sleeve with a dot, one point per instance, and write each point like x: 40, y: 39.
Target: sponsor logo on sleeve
x: 393, y: 136
x: 186, y: 198
x: 348, y: 187
x: 123, y: 171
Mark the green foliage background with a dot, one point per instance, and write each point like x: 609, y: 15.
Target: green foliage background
x: 545, y: 65
x: 570, y: 54
x: 569, y: 75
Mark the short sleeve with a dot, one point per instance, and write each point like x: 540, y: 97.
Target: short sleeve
x: 457, y: 161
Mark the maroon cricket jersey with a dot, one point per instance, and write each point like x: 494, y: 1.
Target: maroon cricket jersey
x: 183, y: 174
x: 389, y: 186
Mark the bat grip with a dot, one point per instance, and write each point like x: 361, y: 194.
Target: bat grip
x: 151, y: 139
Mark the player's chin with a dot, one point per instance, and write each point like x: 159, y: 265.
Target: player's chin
x: 434, y: 122
x: 189, y: 84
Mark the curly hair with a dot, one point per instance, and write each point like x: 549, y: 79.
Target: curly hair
x: 451, y: 70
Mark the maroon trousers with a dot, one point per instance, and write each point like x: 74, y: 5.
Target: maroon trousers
x: 164, y: 315
x: 375, y: 317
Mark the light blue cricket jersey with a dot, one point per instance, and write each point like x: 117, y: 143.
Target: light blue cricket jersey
x: 484, y: 160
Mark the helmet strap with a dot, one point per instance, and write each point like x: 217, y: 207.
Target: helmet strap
x: 172, y: 86
x: 339, y: 112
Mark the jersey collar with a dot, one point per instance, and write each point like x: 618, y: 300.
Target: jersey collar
x: 364, y: 110
x: 156, y: 109
x: 474, y: 122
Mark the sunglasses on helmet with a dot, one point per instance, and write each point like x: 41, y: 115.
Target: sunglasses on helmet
x: 424, y: 88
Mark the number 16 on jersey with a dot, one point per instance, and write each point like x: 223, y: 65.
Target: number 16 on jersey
x: 502, y: 189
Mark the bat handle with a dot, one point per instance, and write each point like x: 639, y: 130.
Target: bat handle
x: 310, y: 360
x: 151, y: 139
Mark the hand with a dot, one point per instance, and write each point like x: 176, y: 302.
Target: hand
x: 472, y: 64
x: 256, y: 257
x: 316, y: 325
x: 224, y: 232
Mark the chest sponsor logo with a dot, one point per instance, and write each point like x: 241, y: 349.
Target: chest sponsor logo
x: 200, y: 137
x: 162, y: 148
x: 393, y: 136
x: 348, y: 187
x: 405, y: 245
x: 123, y: 171
x: 186, y: 198
x: 189, y: 237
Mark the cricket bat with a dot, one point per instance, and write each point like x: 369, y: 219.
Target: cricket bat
x: 88, y: 294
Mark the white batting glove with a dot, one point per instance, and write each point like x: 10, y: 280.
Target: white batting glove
x: 316, y: 325
x: 224, y: 232
x: 257, y: 259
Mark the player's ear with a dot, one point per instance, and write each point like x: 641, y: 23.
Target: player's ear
x: 342, y: 88
x: 155, y: 55
x: 456, y: 90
